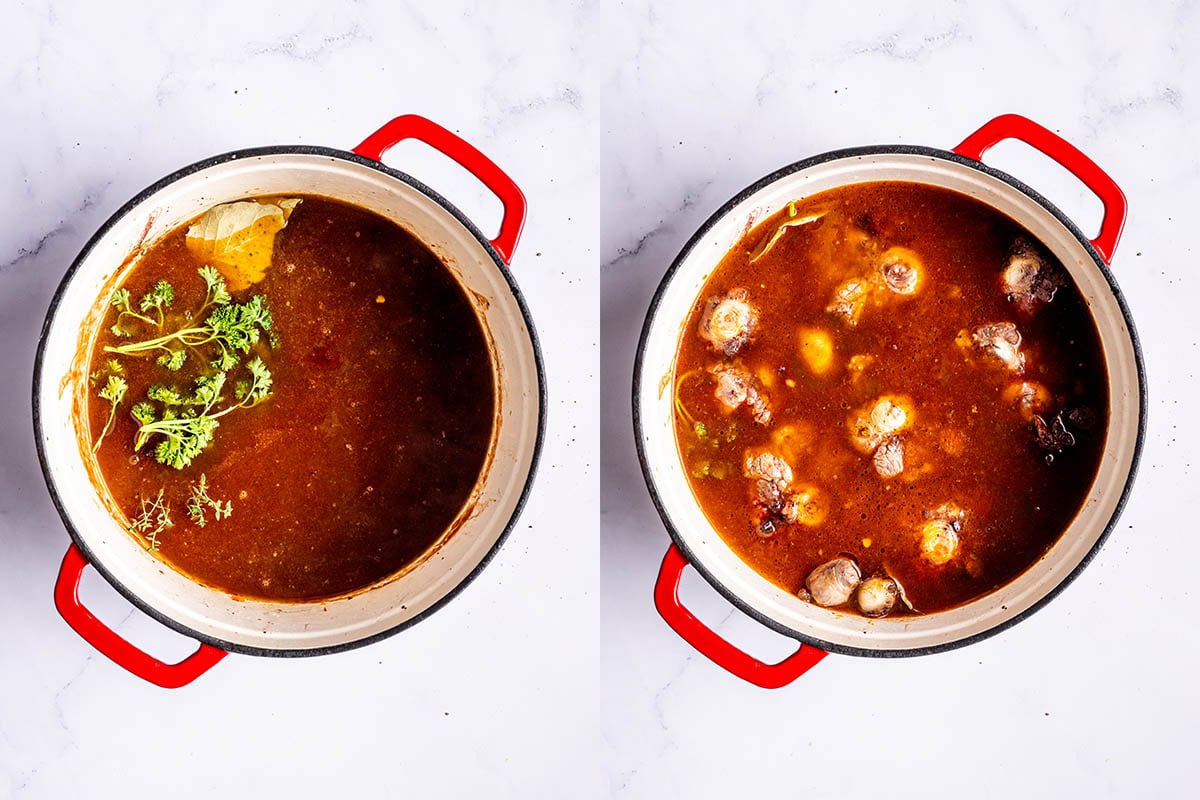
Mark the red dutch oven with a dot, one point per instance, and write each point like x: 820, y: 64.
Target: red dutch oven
x: 821, y: 630
x: 222, y: 623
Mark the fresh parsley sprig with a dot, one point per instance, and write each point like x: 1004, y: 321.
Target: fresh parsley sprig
x: 186, y: 423
x: 112, y: 365
x: 114, y: 393
x: 233, y: 327
x: 218, y: 292
x: 159, y: 298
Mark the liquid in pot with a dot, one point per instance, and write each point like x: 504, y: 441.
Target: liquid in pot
x: 890, y: 399
x: 356, y: 455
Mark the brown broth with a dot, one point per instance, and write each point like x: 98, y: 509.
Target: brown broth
x: 377, y: 428
x: 1017, y: 501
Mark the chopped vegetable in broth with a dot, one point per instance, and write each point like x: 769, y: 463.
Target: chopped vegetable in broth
x: 292, y: 398
x: 890, y: 399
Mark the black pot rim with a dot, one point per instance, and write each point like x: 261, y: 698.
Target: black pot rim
x: 339, y: 155
x: 860, y: 152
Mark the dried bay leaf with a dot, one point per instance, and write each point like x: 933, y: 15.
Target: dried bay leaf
x: 239, y: 238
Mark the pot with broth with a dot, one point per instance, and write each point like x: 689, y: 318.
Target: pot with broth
x: 890, y: 399
x: 288, y: 401
x: 273, y: 412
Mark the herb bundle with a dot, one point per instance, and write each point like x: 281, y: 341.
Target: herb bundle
x: 183, y: 421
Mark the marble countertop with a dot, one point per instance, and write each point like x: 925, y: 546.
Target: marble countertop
x: 1093, y: 696
x: 492, y: 696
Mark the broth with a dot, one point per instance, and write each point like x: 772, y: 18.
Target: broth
x: 890, y: 381
x: 373, y: 435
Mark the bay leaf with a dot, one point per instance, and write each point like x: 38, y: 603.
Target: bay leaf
x: 239, y: 238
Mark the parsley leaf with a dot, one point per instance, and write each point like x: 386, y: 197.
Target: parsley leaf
x: 224, y: 362
x: 185, y: 435
x: 185, y: 438
x: 172, y: 359
x: 218, y: 292
x: 113, y: 392
x: 159, y: 297
x: 232, y: 327
x: 165, y: 395
x: 144, y: 413
x: 122, y: 303
x: 182, y: 423
x: 253, y: 392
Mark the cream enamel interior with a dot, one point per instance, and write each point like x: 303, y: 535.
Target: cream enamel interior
x: 271, y: 626
x: 710, y: 551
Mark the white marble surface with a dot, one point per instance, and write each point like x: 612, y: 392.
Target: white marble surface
x: 494, y: 695
x: 1093, y: 696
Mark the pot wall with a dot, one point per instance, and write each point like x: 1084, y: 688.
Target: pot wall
x: 212, y: 615
x: 654, y: 409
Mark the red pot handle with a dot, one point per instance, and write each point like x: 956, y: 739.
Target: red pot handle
x: 411, y: 126
x: 716, y: 649
x: 104, y: 639
x: 1014, y: 126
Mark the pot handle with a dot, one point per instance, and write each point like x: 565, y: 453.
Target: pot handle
x: 104, y: 639
x: 712, y: 646
x: 1013, y: 126
x: 411, y: 126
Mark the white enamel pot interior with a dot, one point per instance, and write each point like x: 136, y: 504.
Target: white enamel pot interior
x: 253, y: 626
x: 704, y: 547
